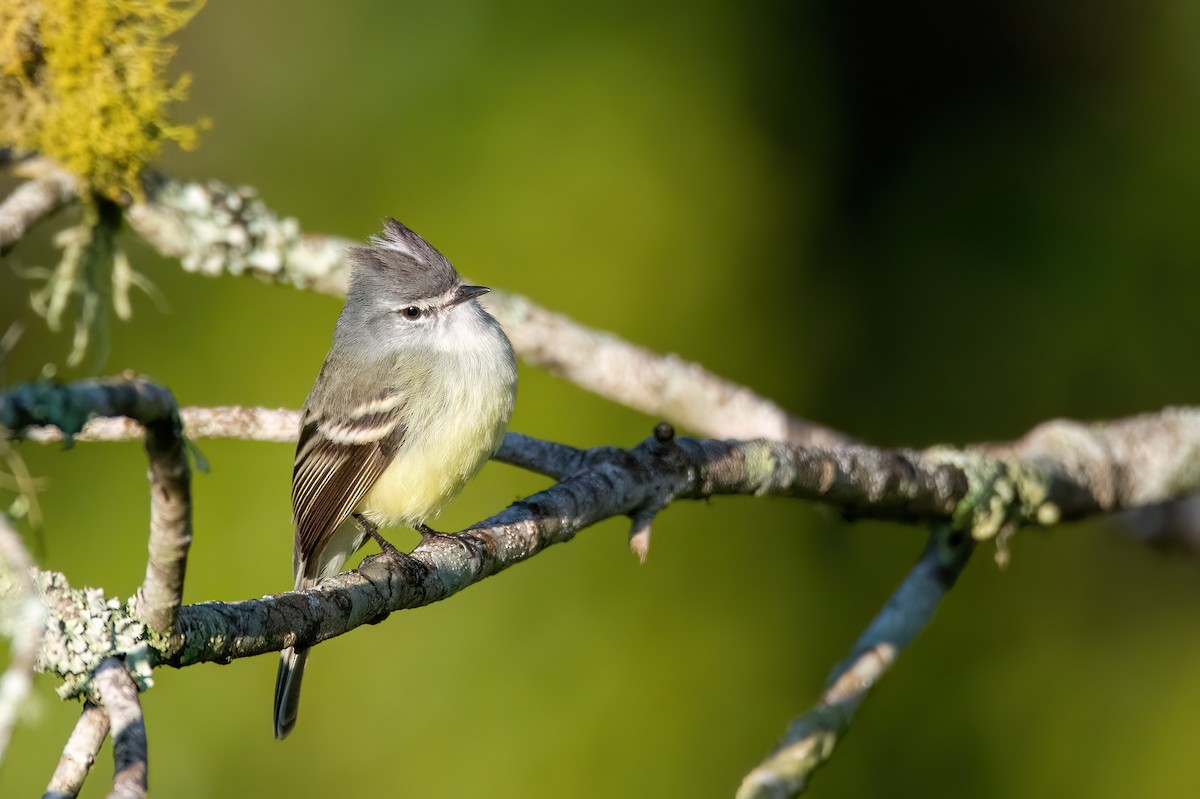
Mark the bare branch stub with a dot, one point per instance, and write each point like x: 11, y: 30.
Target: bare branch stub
x: 812, y: 738
x: 79, y: 754
x: 130, y: 756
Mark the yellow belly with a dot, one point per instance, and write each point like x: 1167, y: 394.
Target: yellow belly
x: 432, y: 467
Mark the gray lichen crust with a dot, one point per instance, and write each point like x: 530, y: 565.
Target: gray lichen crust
x: 83, y: 627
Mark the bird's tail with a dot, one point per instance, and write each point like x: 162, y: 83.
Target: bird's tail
x: 287, y: 690
x: 291, y: 660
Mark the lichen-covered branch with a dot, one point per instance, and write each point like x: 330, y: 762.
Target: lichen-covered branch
x: 215, y: 229
x: 79, y: 754
x: 811, y: 739
x: 120, y: 696
x: 70, y: 406
x: 1103, y: 467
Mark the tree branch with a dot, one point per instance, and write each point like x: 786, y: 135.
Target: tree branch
x: 47, y: 191
x: 79, y: 753
x: 1089, y: 467
x: 120, y: 696
x: 811, y: 739
x: 69, y: 408
x: 251, y: 424
x: 1109, y: 466
x: 662, y: 386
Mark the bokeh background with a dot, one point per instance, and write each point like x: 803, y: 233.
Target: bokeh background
x: 918, y: 223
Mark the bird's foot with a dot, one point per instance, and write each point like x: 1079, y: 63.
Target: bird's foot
x: 428, y: 532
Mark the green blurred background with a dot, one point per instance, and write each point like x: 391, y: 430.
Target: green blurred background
x: 918, y: 223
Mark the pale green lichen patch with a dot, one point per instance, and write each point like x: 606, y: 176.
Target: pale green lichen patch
x: 1001, y: 495
x: 764, y: 469
x: 83, y: 627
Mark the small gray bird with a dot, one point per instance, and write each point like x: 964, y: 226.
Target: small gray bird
x: 414, y: 397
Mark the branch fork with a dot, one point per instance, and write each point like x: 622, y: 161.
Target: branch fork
x: 101, y: 647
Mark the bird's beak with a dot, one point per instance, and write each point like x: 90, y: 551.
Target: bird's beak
x: 465, y: 293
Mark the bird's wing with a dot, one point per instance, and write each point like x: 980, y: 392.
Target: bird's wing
x: 338, y: 459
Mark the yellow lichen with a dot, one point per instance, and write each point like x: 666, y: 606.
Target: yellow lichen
x: 84, y: 82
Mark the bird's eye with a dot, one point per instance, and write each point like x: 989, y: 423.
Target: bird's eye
x: 411, y: 312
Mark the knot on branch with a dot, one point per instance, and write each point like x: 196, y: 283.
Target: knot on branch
x: 662, y: 490
x: 1001, y: 495
x: 83, y: 627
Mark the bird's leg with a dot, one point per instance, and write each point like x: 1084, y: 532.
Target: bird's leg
x: 370, y: 528
x: 428, y: 532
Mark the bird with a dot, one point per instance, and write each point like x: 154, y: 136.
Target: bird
x: 413, y: 398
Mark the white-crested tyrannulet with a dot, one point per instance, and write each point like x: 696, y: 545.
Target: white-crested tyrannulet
x: 413, y: 398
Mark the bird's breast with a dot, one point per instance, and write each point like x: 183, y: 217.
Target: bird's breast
x: 453, y: 426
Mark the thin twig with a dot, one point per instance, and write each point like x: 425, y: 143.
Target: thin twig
x: 19, y: 601
x: 250, y: 424
x: 811, y: 739
x: 79, y: 754
x: 120, y: 696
